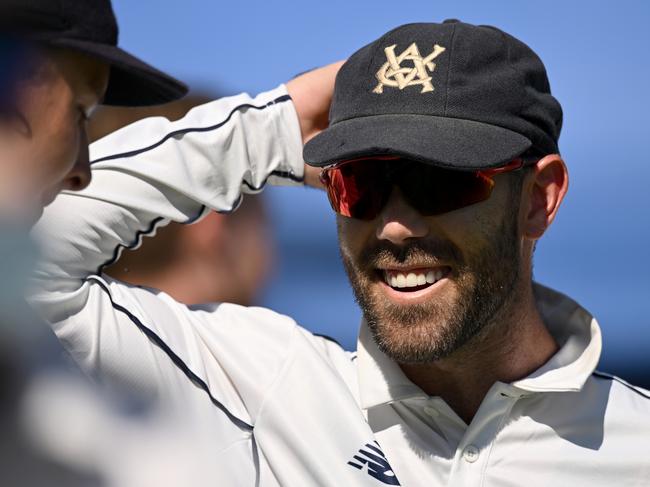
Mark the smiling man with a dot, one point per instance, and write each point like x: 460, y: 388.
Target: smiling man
x: 444, y: 176
x: 441, y: 161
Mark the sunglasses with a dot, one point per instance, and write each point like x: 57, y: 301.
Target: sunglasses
x: 360, y: 188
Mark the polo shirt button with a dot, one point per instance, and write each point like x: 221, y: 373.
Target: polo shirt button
x: 470, y: 453
x: 433, y: 412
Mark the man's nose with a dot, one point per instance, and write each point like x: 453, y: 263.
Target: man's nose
x: 79, y: 176
x: 398, y: 221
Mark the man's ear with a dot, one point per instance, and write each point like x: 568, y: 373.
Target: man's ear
x: 545, y: 191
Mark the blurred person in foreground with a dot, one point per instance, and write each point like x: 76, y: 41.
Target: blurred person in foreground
x: 58, y: 61
x: 67, y: 63
x: 223, y: 257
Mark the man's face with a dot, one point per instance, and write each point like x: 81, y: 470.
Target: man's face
x: 46, y: 142
x: 472, y: 254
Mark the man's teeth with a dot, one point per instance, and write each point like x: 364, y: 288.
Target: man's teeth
x: 412, y: 279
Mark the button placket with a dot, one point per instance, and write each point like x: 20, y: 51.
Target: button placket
x: 471, y: 453
x: 468, y: 468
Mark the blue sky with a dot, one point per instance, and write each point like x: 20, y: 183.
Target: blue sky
x: 596, y: 57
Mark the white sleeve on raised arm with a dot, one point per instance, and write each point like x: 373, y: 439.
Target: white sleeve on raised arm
x: 145, y: 175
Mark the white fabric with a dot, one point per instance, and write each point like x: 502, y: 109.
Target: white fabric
x: 278, y: 405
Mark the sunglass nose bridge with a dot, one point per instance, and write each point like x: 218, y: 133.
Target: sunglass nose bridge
x: 398, y: 220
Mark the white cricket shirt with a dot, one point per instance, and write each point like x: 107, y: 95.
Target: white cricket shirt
x: 278, y: 405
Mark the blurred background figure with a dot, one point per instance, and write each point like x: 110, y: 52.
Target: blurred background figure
x: 222, y: 258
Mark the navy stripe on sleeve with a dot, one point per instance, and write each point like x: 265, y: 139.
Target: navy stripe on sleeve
x: 176, y: 133
x: 173, y: 357
x: 279, y: 174
x: 151, y: 228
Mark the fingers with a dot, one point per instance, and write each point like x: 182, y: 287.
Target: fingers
x: 312, y: 95
x: 312, y: 177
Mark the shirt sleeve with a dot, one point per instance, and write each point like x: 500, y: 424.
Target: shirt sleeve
x: 144, y: 176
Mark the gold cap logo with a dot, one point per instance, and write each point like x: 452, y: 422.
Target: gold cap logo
x: 393, y: 74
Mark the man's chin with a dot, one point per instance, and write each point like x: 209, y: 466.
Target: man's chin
x: 416, y: 343
x: 417, y: 332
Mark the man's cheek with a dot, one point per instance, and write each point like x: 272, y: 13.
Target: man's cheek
x: 64, y: 151
x: 346, y: 247
x: 353, y: 233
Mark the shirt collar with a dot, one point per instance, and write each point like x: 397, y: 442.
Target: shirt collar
x: 576, y: 332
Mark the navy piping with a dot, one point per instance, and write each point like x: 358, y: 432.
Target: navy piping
x: 176, y: 133
x: 116, y: 253
x: 620, y: 381
x: 138, y: 238
x: 153, y: 225
x: 280, y: 174
x: 174, y: 358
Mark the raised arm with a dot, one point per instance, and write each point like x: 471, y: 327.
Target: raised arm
x: 155, y: 171
x: 144, y: 176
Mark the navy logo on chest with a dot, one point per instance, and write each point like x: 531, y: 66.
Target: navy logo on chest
x: 371, y: 456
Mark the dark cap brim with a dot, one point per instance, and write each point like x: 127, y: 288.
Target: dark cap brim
x: 132, y: 82
x: 441, y: 141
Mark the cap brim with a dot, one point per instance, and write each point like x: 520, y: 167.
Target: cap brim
x: 132, y: 82
x: 441, y: 141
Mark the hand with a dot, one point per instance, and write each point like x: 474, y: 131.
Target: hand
x: 312, y: 95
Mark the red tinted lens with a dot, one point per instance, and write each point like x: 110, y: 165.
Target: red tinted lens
x: 433, y: 191
x: 361, y: 188
x: 358, y: 189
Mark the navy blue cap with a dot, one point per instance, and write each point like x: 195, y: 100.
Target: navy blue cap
x: 452, y: 94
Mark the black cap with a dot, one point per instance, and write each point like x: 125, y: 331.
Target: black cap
x: 89, y: 26
x: 453, y: 94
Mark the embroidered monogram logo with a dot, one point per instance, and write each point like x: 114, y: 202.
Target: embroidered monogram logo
x: 393, y: 74
x: 378, y: 467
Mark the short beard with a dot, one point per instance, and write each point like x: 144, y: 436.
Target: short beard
x: 424, y: 333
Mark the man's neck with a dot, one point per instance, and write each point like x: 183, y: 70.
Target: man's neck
x: 513, y: 346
